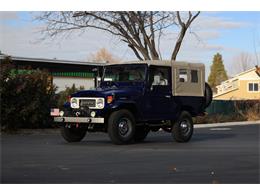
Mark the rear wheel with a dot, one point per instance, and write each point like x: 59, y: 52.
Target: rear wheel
x: 73, y: 134
x: 182, y: 129
x: 141, y: 133
x: 121, y: 127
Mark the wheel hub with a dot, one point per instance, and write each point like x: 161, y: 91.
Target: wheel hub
x: 123, y: 126
x: 185, y: 126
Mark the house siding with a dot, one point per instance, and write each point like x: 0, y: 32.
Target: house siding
x: 236, y: 88
x: 241, y: 93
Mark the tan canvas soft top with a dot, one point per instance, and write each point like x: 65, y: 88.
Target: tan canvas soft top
x: 187, y: 88
x: 162, y: 63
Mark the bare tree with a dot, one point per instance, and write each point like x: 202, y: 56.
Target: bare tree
x: 103, y: 55
x: 243, y: 61
x: 140, y: 30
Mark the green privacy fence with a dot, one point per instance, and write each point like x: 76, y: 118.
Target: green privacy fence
x: 74, y: 74
x: 225, y: 107
x: 229, y: 107
x: 61, y: 74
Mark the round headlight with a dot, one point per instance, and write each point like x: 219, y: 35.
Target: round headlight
x: 93, y: 114
x: 100, y: 103
x: 74, y: 102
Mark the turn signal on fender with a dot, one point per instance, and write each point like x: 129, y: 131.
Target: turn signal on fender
x: 110, y: 99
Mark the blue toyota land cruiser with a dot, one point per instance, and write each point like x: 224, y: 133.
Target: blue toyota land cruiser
x: 134, y: 98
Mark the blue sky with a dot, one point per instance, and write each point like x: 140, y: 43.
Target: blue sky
x: 229, y: 33
x: 241, y: 38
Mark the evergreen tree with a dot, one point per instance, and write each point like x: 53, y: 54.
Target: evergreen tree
x: 217, y: 72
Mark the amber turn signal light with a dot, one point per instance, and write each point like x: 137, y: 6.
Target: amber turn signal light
x: 109, y: 99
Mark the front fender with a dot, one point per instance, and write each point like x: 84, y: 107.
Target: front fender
x: 129, y: 105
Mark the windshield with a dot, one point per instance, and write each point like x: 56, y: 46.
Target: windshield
x: 124, y: 73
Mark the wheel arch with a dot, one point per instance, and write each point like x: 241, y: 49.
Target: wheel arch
x: 188, y: 109
x: 130, y: 106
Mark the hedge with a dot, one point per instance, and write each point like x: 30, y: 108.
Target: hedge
x: 26, y: 98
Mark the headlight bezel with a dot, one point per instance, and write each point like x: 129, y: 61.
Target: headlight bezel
x: 100, y: 103
x: 74, y: 103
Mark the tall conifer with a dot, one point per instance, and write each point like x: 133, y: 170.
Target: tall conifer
x: 217, y: 72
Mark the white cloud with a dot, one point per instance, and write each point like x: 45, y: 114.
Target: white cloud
x: 6, y: 15
x: 22, y: 41
x: 208, y: 22
x: 25, y: 42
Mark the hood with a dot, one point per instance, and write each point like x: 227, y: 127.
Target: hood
x: 124, y: 92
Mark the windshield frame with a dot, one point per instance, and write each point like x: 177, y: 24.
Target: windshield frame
x: 120, y: 65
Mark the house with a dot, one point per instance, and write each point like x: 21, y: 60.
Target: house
x: 244, y: 86
x: 65, y: 72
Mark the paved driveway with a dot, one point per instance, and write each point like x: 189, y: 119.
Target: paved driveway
x: 214, y: 155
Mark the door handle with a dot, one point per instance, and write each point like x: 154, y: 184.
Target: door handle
x: 167, y: 96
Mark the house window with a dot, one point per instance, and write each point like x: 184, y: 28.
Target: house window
x: 253, y: 87
x: 194, y: 76
x: 183, y: 75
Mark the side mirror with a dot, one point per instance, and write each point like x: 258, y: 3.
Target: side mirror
x: 96, y: 77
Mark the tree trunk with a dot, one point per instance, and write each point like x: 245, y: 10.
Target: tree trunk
x: 178, y: 43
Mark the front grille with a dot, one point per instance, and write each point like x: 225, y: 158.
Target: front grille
x: 87, y: 103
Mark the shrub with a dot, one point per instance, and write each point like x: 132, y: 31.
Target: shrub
x: 238, y: 110
x: 63, y: 95
x: 26, y: 98
x: 249, y: 109
x: 218, y: 118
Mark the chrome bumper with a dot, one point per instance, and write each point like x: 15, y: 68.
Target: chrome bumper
x: 78, y: 120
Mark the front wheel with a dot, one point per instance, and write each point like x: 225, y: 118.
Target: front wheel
x: 121, y: 127
x: 182, y: 129
x: 73, y: 134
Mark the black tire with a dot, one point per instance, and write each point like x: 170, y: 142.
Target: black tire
x: 121, y: 127
x: 208, y: 94
x: 73, y: 134
x: 182, y: 129
x: 140, y: 133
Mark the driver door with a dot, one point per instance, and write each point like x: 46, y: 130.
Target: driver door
x: 159, y: 104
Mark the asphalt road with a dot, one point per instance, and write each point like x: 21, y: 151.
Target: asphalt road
x: 214, y: 155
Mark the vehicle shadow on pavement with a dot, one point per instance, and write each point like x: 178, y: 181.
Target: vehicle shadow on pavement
x: 151, y: 139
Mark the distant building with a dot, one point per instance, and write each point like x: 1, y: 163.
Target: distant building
x: 244, y: 86
x: 65, y: 73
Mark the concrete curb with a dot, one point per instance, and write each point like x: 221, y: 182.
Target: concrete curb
x: 227, y: 124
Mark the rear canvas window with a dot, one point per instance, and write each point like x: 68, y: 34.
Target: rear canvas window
x: 194, y: 76
x: 183, y: 75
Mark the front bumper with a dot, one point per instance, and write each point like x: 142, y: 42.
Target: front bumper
x: 78, y: 120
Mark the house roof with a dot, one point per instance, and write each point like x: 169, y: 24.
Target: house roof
x: 56, y: 61
x: 247, y: 71
x: 237, y: 76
